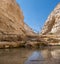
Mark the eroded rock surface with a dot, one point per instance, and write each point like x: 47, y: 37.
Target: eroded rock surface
x: 29, y: 30
x: 52, y: 24
x: 11, y: 18
x: 11, y: 23
x: 13, y: 30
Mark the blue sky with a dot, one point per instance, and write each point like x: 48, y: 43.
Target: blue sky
x: 36, y: 11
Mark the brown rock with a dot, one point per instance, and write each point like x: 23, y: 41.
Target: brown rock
x: 52, y: 25
x: 29, y: 30
x: 11, y: 24
x: 51, y: 29
x: 11, y: 18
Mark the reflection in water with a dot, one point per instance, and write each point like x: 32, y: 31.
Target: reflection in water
x: 14, y: 56
x: 48, y: 55
x: 55, y: 54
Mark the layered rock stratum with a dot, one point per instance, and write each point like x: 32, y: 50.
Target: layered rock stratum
x: 11, y: 18
x: 13, y: 30
x: 52, y: 24
x: 15, y: 33
x: 28, y: 30
x: 51, y: 29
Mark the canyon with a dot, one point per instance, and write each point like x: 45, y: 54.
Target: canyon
x: 14, y: 32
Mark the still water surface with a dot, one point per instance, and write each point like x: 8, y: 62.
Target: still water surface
x: 44, y: 55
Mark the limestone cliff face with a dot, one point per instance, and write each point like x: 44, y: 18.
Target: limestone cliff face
x: 29, y: 30
x: 11, y: 18
x: 52, y: 25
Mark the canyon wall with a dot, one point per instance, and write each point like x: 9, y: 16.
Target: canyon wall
x: 52, y: 24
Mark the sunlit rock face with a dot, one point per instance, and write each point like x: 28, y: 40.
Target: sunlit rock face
x: 11, y: 24
x: 55, y: 54
x: 13, y: 30
x: 52, y: 24
x: 11, y: 18
x: 29, y: 30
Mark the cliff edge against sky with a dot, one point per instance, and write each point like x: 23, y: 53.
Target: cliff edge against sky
x: 52, y: 24
x: 13, y: 30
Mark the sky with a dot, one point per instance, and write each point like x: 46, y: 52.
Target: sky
x: 36, y: 12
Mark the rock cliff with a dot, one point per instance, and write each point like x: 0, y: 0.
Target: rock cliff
x: 52, y: 24
x: 29, y: 30
x: 51, y: 29
x: 13, y: 30
x: 11, y: 24
x: 11, y: 18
